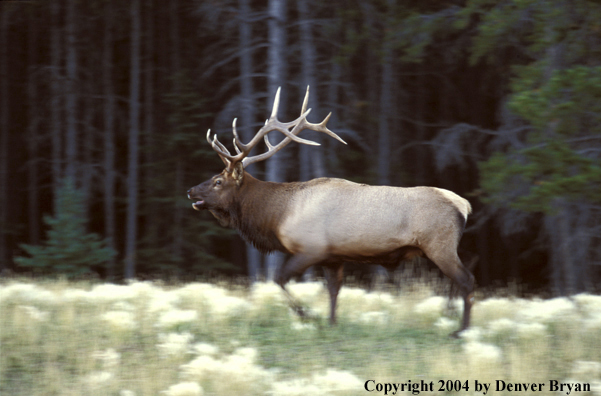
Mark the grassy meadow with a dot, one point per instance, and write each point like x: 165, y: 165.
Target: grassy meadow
x: 189, y: 339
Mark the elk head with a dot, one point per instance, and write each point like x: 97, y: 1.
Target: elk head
x: 217, y: 193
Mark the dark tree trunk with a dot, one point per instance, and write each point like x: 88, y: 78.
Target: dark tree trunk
x: 253, y: 256
x: 4, y: 111
x: 33, y: 203
x: 109, y: 138
x: 56, y: 119
x: 133, y: 145
x: 71, y: 94
x: 275, y: 167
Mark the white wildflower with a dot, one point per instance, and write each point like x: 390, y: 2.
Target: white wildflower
x: 98, y: 378
x: 109, y: 292
x: 586, y: 370
x: 501, y: 326
x: 374, y: 317
x: 431, y: 307
x: 217, y: 300
x: 228, y: 305
x: 376, y: 300
x: 445, y: 324
x: 307, y: 292
x: 27, y: 292
x: 200, y: 368
x: 479, y: 352
x: 34, y: 314
x: 337, y: 380
x: 295, y: 387
x: 588, y: 301
x: 176, y: 317
x: 318, y: 384
x: 266, y: 293
x: 120, y: 319
x: 15, y: 290
x: 109, y: 358
x: 239, y: 367
x: 531, y: 330
x: 161, y: 301
x: 202, y: 348
x: 547, y: 310
x: 123, y: 306
x: 174, y: 343
x: 593, y: 321
x: 298, y: 326
x: 184, y: 389
x: 352, y: 296
x: 75, y: 295
x: 596, y: 387
x: 495, y: 308
x: 472, y: 334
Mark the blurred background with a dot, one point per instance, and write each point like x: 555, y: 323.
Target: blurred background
x: 104, y: 107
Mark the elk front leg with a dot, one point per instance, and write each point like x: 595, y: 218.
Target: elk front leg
x: 334, y: 276
x: 295, y: 266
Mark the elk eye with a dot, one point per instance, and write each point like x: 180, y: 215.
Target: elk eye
x: 217, y: 182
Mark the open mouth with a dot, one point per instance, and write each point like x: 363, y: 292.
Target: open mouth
x: 198, y: 205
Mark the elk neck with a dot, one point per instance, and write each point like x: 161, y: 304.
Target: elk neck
x: 258, y: 210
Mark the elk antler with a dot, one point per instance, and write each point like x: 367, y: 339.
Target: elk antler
x: 272, y: 124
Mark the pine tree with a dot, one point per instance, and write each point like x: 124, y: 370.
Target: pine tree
x: 69, y: 249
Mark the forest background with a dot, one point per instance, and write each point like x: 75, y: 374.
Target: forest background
x: 104, y: 106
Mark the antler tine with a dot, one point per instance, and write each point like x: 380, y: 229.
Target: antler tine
x: 236, y: 147
x: 276, y: 104
x: 321, y: 127
x: 305, y: 101
x: 267, y: 143
x: 217, y: 144
x: 225, y: 157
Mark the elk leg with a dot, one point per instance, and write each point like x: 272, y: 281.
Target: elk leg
x: 334, y: 275
x: 452, y: 267
x: 295, y: 266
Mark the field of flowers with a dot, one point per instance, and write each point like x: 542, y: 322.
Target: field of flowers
x: 145, y: 338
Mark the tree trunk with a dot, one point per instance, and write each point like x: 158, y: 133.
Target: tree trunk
x: 253, y: 256
x: 151, y: 230
x: 275, y: 167
x: 33, y: 203
x: 178, y: 214
x: 109, y: 138
x: 310, y: 158
x: 385, y: 109
x: 4, y: 111
x: 86, y: 168
x: 56, y: 94
x: 133, y: 144
x: 71, y: 97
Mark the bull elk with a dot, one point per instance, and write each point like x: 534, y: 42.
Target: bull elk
x: 328, y: 221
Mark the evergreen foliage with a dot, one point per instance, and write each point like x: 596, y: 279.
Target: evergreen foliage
x: 69, y: 249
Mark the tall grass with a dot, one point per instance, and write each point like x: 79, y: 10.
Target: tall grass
x: 63, y: 338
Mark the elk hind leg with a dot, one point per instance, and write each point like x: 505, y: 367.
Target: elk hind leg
x: 334, y: 276
x: 451, y: 266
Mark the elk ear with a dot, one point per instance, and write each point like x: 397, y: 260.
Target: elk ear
x: 238, y: 173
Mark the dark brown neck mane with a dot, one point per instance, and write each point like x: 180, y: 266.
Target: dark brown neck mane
x: 257, y: 212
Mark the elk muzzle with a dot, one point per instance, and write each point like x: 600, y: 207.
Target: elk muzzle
x: 195, y: 195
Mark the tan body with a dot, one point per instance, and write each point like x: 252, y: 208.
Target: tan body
x: 330, y: 221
